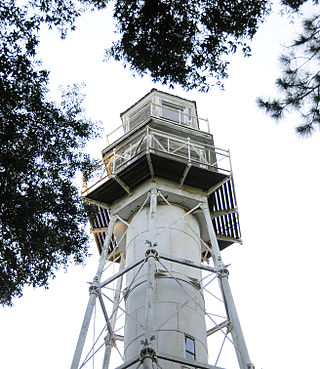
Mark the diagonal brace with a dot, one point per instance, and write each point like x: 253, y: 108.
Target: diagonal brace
x: 119, y: 274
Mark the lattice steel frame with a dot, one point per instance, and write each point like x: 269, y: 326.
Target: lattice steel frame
x: 147, y: 358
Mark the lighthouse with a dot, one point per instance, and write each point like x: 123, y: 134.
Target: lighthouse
x: 166, y: 210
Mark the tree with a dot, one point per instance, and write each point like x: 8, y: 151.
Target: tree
x: 42, y: 217
x: 187, y: 42
x: 184, y: 42
x: 176, y: 42
x: 300, y: 81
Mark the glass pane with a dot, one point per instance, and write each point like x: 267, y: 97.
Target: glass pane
x: 190, y: 345
x: 190, y: 356
x: 172, y: 113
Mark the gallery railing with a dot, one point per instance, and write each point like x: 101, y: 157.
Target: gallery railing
x: 164, y: 144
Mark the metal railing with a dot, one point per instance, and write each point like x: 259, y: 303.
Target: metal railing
x: 156, y: 111
x: 163, y: 144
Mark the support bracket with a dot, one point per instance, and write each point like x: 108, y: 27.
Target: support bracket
x: 122, y: 184
x: 150, y: 164
x: 216, y: 186
x: 218, y: 327
x: 147, y: 352
x: 184, y: 175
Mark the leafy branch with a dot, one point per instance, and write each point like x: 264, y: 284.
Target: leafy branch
x: 299, y: 84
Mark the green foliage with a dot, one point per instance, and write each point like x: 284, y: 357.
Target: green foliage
x: 184, y: 42
x: 293, y: 4
x: 299, y: 84
x: 42, y: 217
x: 176, y: 42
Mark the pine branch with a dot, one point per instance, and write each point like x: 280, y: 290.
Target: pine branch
x: 299, y: 84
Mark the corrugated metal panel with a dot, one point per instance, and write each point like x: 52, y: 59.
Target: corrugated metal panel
x: 225, y: 214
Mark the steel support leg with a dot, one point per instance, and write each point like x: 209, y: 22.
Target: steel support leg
x: 93, y: 296
x: 107, y: 353
x: 147, y: 363
x: 236, y: 331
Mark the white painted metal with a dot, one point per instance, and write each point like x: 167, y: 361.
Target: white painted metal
x: 162, y: 230
x: 163, y: 298
x: 236, y: 331
x: 174, y: 283
x: 150, y: 284
x: 164, y: 143
x: 94, y: 292
x: 109, y: 340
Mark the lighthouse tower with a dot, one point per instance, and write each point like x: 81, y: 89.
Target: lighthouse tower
x: 166, y: 208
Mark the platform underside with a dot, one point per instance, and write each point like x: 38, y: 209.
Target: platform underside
x: 141, y: 168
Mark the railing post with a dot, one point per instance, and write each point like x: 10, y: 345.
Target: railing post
x: 151, y: 108
x: 114, y: 161
x: 230, y: 165
x: 147, y: 137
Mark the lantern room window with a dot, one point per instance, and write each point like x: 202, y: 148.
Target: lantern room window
x: 190, y: 348
x: 172, y: 112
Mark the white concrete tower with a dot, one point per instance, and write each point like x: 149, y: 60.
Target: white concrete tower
x: 166, y: 208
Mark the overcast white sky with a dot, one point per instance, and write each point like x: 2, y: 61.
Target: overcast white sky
x: 273, y: 275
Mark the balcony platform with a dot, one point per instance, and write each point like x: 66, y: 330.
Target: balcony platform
x: 144, y: 167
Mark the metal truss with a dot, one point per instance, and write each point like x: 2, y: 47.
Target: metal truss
x: 106, y: 312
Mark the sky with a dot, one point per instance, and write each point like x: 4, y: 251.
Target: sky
x: 273, y: 275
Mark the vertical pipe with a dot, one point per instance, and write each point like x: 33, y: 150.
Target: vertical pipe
x: 147, y: 363
x: 149, y: 299
x: 236, y: 331
x: 93, y: 296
